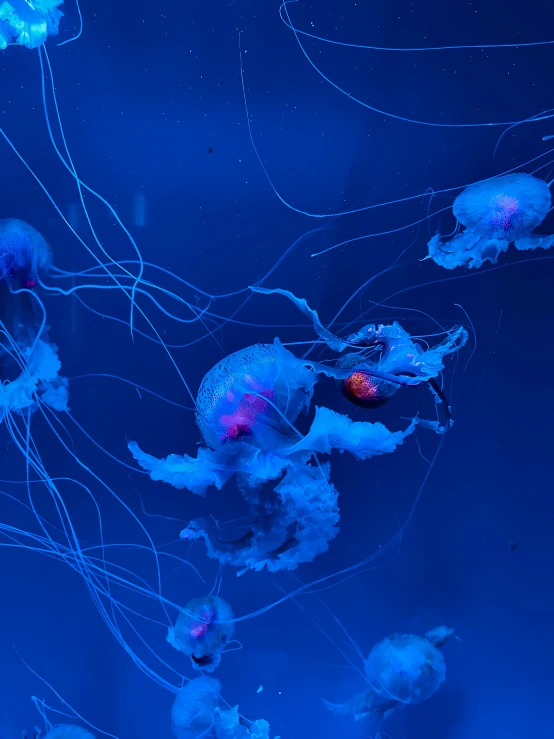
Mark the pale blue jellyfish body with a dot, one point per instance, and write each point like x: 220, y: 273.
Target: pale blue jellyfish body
x: 402, y: 669
x: 202, y: 631
x: 39, y: 381
x: 495, y: 213
x: 24, y: 256
x: 28, y: 23
x: 405, y: 667
x: 197, y: 712
x: 24, y: 252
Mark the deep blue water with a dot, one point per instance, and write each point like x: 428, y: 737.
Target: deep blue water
x: 152, y: 105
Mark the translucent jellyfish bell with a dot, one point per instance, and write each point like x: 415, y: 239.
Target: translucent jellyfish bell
x: 193, y: 711
x: 27, y: 23
x: 495, y: 213
x: 406, y: 668
x: 203, y: 630
x: 251, y: 394
x: 24, y: 253
x: 197, y: 712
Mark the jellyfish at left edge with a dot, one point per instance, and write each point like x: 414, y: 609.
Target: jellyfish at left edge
x: 202, y: 631
x: 198, y: 711
x: 494, y: 214
x: 29, y: 363
x: 401, y: 670
x: 26, y: 23
x: 246, y: 409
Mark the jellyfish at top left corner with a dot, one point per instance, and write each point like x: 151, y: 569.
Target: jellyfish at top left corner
x: 246, y: 409
x: 26, y: 23
x: 494, y: 214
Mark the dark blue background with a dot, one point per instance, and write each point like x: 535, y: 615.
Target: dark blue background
x: 144, y: 94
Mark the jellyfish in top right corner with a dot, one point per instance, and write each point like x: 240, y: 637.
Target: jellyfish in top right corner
x: 494, y: 214
x: 401, y: 669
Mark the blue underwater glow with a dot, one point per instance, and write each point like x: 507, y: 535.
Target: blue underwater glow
x: 275, y: 257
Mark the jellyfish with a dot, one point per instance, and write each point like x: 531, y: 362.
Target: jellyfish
x: 197, y: 712
x: 381, y: 352
x: 495, y: 213
x: 202, y: 631
x: 402, y: 669
x: 67, y: 731
x: 246, y: 410
x: 24, y: 253
x: 28, y: 23
x: 29, y: 363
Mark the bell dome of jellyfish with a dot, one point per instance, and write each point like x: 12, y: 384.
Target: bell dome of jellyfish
x: 24, y: 253
x: 193, y: 711
x: 495, y: 213
x: 28, y: 23
x: 406, y: 668
x: 252, y: 394
x: 196, y: 713
x: 66, y: 731
x: 202, y: 631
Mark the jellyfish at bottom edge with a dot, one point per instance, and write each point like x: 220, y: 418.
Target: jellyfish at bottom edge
x: 494, y: 214
x: 28, y: 23
x: 401, y: 669
x: 67, y: 731
x: 202, y: 631
x: 197, y: 712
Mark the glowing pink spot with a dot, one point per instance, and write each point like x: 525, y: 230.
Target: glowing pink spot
x: 507, y: 206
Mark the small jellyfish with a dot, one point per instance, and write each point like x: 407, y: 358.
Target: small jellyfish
x: 401, y: 669
x: 193, y: 711
x: 27, y: 23
x: 24, y: 253
x: 495, y: 213
x: 202, y: 631
x: 66, y: 731
x: 197, y: 712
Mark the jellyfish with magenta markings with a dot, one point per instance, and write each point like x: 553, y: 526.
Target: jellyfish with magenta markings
x: 494, y: 214
x: 401, y: 670
x: 203, y: 630
x: 29, y: 363
x: 246, y: 409
x: 198, y: 711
